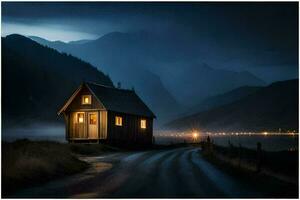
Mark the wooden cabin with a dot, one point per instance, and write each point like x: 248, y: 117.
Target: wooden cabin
x: 96, y: 113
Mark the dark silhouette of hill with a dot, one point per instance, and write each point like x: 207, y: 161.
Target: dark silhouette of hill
x: 222, y: 99
x: 37, y: 80
x: 171, y: 58
x: 267, y: 109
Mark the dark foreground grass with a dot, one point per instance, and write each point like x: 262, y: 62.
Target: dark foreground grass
x: 269, y: 186
x: 28, y: 163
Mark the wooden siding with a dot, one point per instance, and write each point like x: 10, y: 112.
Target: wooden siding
x: 103, y: 125
x: 76, y: 104
x: 77, y: 130
x: 92, y: 129
x: 130, y: 131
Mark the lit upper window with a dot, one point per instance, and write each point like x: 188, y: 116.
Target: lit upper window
x: 143, y: 123
x: 86, y: 99
x: 80, y: 117
x: 118, y: 121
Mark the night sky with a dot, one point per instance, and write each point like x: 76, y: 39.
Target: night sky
x: 259, y: 37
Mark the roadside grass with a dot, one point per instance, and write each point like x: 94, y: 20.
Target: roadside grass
x: 268, y: 185
x: 28, y: 163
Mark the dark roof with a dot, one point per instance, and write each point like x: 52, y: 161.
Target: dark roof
x: 120, y: 100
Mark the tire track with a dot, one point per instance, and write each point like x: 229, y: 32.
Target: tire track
x: 170, y: 177
x: 208, y: 187
x: 140, y: 184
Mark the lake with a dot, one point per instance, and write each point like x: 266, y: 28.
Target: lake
x: 269, y: 142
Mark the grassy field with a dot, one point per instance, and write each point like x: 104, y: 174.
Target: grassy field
x: 28, y: 163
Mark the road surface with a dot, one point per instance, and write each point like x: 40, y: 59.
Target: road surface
x: 180, y: 172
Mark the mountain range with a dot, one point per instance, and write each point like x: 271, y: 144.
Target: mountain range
x: 221, y: 99
x: 37, y: 79
x: 129, y: 57
x: 268, y: 108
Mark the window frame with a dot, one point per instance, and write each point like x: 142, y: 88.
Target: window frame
x: 90, y: 118
x: 83, y: 99
x: 118, y: 120
x: 77, y: 115
x: 145, y: 124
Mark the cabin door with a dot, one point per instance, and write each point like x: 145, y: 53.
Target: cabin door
x: 93, y: 125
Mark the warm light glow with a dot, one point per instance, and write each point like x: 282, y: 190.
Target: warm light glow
x: 143, y: 123
x: 86, y: 99
x: 93, y: 119
x: 195, y: 135
x: 265, y: 133
x: 80, y: 117
x: 118, y: 121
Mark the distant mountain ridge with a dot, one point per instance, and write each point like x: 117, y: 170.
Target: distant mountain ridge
x: 221, y: 99
x: 37, y: 80
x: 268, y: 109
x: 171, y: 58
x: 148, y: 84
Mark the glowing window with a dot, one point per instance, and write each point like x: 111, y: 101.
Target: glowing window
x: 143, y: 123
x: 118, y: 121
x: 80, y: 117
x: 86, y: 99
x: 93, y: 119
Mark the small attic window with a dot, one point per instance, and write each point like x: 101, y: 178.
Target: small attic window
x: 143, y: 123
x: 86, y: 99
x: 118, y: 121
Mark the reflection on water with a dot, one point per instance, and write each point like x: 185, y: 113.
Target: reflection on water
x: 269, y: 143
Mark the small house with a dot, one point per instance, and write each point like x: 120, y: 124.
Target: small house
x: 96, y: 113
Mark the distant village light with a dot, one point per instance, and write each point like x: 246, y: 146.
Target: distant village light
x: 195, y: 135
x: 265, y: 133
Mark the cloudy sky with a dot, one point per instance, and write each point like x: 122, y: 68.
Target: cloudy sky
x: 263, y: 34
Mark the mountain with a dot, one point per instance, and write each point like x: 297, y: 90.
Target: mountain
x: 268, y: 109
x: 200, y: 81
x: 222, y: 99
x: 112, y: 55
x: 37, y: 80
x: 172, y: 58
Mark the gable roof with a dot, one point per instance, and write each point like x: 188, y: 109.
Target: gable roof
x: 118, y: 100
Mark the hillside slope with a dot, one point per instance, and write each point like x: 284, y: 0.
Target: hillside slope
x: 268, y: 109
x: 37, y: 80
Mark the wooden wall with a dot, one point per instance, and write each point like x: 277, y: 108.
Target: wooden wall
x: 76, y: 130
x: 77, y: 105
x: 130, y: 131
x: 103, y: 124
x: 80, y: 130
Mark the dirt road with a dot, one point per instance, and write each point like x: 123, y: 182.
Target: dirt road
x: 180, y: 172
